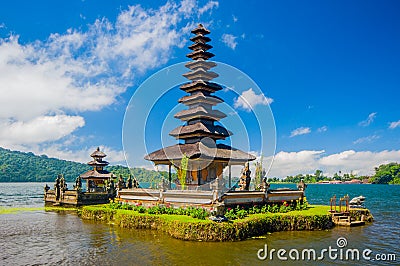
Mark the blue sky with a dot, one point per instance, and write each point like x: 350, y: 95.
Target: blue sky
x: 328, y: 69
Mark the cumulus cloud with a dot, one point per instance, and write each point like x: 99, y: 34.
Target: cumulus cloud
x: 248, y: 100
x: 368, y: 121
x: 229, y: 40
x: 39, y: 129
x: 366, y: 139
x: 300, y: 131
x: 322, y: 129
x: 307, y: 161
x: 394, y: 124
x: 46, y: 84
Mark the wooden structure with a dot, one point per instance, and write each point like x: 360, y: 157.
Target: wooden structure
x: 99, y: 186
x: 201, y: 131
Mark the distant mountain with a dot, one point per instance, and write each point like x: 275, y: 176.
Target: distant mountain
x: 16, y: 166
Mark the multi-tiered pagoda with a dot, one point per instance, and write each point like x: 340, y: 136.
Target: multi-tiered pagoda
x: 97, y: 177
x: 200, y: 133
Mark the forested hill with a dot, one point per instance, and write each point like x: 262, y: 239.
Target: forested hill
x: 18, y: 166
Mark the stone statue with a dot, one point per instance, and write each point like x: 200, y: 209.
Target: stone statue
x: 57, y: 187
x: 135, y: 183
x: 63, y: 184
x: 245, y: 179
x: 265, y: 185
x: 121, y: 183
x: 302, y: 185
x: 130, y: 181
x: 78, y: 183
x: 110, y: 186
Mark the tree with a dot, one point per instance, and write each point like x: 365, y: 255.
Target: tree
x: 387, y: 174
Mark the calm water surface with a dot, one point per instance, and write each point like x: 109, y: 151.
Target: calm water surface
x: 51, y: 238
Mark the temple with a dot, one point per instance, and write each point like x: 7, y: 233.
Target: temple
x: 198, y: 156
x: 99, y: 188
x: 200, y: 133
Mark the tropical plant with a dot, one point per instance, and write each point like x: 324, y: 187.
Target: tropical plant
x: 182, y: 170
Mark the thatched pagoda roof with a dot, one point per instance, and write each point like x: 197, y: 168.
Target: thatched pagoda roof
x: 201, y: 129
x: 200, y: 29
x: 199, y: 112
x: 99, y: 174
x: 98, y: 153
x: 199, y: 85
x: 199, y: 150
x: 200, y: 97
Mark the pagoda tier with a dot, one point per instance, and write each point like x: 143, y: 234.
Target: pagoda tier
x: 200, y: 46
x: 200, y: 54
x: 200, y: 39
x: 200, y: 74
x: 205, y: 65
x: 200, y: 129
x: 200, y: 30
x: 200, y: 112
x: 200, y: 85
x: 200, y: 97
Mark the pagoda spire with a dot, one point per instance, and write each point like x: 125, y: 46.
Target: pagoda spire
x: 200, y: 117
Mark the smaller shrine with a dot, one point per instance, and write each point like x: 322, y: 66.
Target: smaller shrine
x: 100, y: 186
x: 98, y: 177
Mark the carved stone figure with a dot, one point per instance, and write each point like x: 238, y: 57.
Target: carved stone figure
x: 121, y: 183
x: 78, y: 183
x: 302, y: 185
x: 130, y: 181
x: 245, y: 179
x: 57, y: 187
x: 264, y: 185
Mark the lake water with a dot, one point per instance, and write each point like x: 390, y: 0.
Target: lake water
x: 37, y: 237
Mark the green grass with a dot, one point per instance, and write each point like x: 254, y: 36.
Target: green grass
x: 8, y: 210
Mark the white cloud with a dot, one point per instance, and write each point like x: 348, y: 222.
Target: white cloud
x: 366, y: 139
x: 300, y: 131
x: 248, y: 100
x: 322, y: 129
x: 394, y: 124
x: 44, y: 85
x: 82, y: 155
x: 368, y: 121
x: 307, y: 161
x: 207, y: 7
x: 39, y: 129
x: 235, y: 19
x: 229, y: 40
